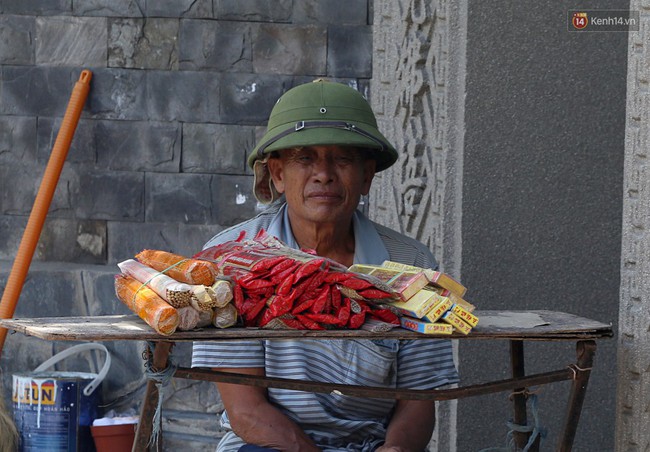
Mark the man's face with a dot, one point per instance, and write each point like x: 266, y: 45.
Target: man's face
x: 322, y: 184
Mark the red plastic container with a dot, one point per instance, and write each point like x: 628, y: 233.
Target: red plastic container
x: 114, y: 438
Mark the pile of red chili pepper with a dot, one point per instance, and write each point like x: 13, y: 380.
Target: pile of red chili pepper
x: 280, y: 287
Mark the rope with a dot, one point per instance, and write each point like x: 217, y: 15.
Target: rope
x: 575, y: 368
x: 146, y: 283
x: 160, y: 378
x: 535, y: 430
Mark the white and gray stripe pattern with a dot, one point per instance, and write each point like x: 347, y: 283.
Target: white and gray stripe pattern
x: 336, y: 422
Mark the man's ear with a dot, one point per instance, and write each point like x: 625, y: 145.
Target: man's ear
x: 275, y: 166
x: 369, y: 167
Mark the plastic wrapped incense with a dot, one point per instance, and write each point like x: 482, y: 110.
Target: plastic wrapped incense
x: 143, y: 301
x: 221, y: 292
x: 175, y: 293
x: 188, y: 318
x: 201, y: 299
x: 205, y: 318
x: 224, y: 317
x: 190, y: 271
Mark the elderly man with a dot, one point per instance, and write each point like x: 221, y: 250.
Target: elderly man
x: 319, y: 155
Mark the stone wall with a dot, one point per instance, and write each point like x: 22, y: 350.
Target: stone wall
x: 180, y: 91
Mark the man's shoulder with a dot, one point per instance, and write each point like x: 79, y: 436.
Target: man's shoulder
x: 250, y: 226
x: 405, y: 249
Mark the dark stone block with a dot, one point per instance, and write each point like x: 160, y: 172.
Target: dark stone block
x: 17, y: 139
x: 254, y: 10
x: 221, y: 46
x: 233, y: 199
x: 83, y: 148
x: 71, y: 41
x: 16, y: 40
x: 179, y: 8
x: 20, y: 184
x: 32, y: 91
x: 192, y: 237
x: 109, y: 8
x: 138, y: 146
x: 184, y: 198
x: 52, y: 293
x: 216, y: 148
x: 125, y: 240
x: 36, y: 7
x: 99, y: 287
x: 60, y: 240
x: 81, y: 241
x: 128, y: 239
x: 143, y: 43
x: 118, y: 94
x: 349, y: 51
x: 249, y: 98
x: 183, y: 96
x: 12, y: 228
x: 109, y: 196
x: 290, y: 49
x: 334, y: 12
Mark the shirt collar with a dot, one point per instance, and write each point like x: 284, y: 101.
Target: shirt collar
x: 368, y: 246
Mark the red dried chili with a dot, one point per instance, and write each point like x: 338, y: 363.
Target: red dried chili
x: 356, y: 283
x: 356, y: 320
x: 373, y: 293
x: 385, y: 315
x: 344, y: 313
x: 238, y: 297
x: 309, y: 323
x: 327, y: 319
x: 267, y: 263
x: 320, y: 300
x: 308, y: 269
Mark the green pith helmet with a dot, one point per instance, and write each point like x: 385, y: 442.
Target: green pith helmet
x: 318, y: 113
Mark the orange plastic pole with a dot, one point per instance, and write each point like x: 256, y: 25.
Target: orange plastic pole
x: 42, y: 202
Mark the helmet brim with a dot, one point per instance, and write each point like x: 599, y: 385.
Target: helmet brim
x: 363, y: 136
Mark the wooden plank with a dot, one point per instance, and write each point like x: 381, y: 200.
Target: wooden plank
x: 528, y: 325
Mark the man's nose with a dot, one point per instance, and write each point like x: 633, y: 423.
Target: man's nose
x: 324, y: 170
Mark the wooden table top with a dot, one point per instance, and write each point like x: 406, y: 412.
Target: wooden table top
x: 523, y: 325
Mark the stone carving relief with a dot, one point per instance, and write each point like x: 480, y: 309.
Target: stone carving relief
x: 408, y: 92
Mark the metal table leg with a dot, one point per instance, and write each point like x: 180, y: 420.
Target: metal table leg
x: 519, y: 396
x: 582, y: 370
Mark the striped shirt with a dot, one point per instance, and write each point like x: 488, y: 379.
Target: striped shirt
x: 336, y: 422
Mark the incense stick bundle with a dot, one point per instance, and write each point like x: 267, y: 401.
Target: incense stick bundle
x: 175, y: 293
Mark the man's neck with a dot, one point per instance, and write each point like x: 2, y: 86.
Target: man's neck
x: 329, y: 240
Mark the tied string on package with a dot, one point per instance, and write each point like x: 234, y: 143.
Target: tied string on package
x: 279, y: 287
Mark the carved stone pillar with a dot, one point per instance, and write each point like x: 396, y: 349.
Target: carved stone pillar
x: 633, y: 396
x: 416, y: 92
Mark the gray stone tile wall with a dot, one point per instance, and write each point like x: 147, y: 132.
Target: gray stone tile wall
x: 181, y: 90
